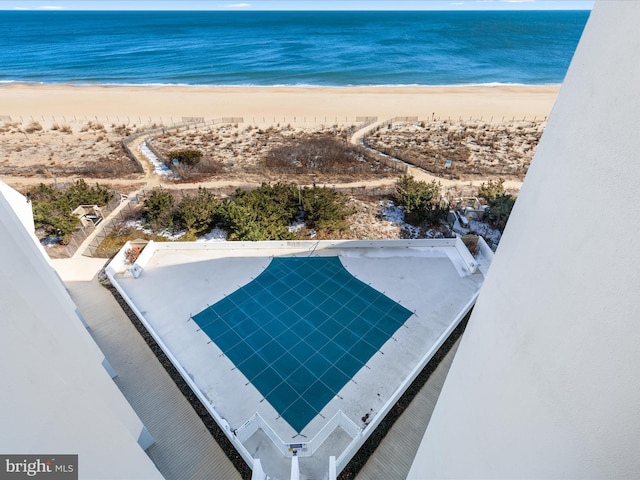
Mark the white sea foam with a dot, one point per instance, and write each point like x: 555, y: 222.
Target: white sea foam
x: 277, y: 85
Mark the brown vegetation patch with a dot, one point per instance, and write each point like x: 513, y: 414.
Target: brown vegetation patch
x: 476, y: 150
x: 88, y: 150
x: 319, y: 154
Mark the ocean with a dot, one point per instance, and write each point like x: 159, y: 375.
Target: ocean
x: 288, y: 48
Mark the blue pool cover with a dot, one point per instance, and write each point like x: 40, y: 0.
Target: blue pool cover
x: 301, y: 330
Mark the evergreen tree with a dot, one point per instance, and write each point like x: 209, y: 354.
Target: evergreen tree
x: 419, y: 200
x: 324, y: 208
x: 499, y: 202
x: 199, y: 213
x: 52, y: 208
x: 159, y: 209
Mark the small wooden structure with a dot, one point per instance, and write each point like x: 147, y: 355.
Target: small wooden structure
x: 89, y: 215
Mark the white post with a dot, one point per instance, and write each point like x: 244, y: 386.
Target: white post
x: 295, y: 469
x: 257, y: 471
x: 332, y: 468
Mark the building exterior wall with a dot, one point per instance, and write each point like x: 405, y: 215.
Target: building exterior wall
x: 20, y: 206
x: 546, y: 383
x: 56, y: 396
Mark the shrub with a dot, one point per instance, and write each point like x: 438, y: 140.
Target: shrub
x: 264, y: 213
x: 244, y: 223
x: 323, y: 154
x: 82, y: 194
x: 52, y: 207
x: 199, y: 213
x: 492, y: 190
x: 158, y: 209
x: 324, y: 208
x: 261, y: 214
x: 419, y: 200
x: 33, y: 127
x: 122, y: 130
x: 186, y: 157
x: 499, y: 211
x: 500, y: 203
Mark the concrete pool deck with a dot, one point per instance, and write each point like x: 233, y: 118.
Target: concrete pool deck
x: 174, y: 281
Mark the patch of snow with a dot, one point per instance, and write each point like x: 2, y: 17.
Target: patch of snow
x: 159, y: 168
x: 391, y: 213
x: 411, y: 232
x: 215, y: 235
x: 168, y: 234
x: 395, y: 215
x: 296, y: 227
x: 491, y: 235
x: 137, y: 224
x: 50, y: 241
x: 431, y: 233
x: 298, y: 224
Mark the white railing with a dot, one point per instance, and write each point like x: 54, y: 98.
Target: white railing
x: 255, y: 423
x: 338, y: 420
x: 349, y: 426
x: 305, y: 244
x: 248, y: 428
x: 303, y: 449
x: 319, y: 438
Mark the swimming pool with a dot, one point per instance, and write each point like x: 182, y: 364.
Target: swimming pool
x: 301, y: 330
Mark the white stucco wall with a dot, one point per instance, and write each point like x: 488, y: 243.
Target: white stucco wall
x: 55, y: 396
x: 24, y: 212
x: 19, y: 204
x: 546, y: 383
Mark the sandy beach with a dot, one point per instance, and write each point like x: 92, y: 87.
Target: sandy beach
x: 262, y: 105
x: 61, y: 132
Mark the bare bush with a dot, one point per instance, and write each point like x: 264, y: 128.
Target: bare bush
x: 462, y: 149
x: 33, y: 127
x: 122, y: 130
x: 93, y: 126
x: 318, y: 154
x: 199, y: 172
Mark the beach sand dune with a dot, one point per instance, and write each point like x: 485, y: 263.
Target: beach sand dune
x: 63, y: 133
x: 80, y: 127
x: 271, y: 104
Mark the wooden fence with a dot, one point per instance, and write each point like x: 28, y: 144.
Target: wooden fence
x: 116, y: 222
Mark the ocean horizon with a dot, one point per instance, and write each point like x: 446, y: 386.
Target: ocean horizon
x: 288, y: 49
